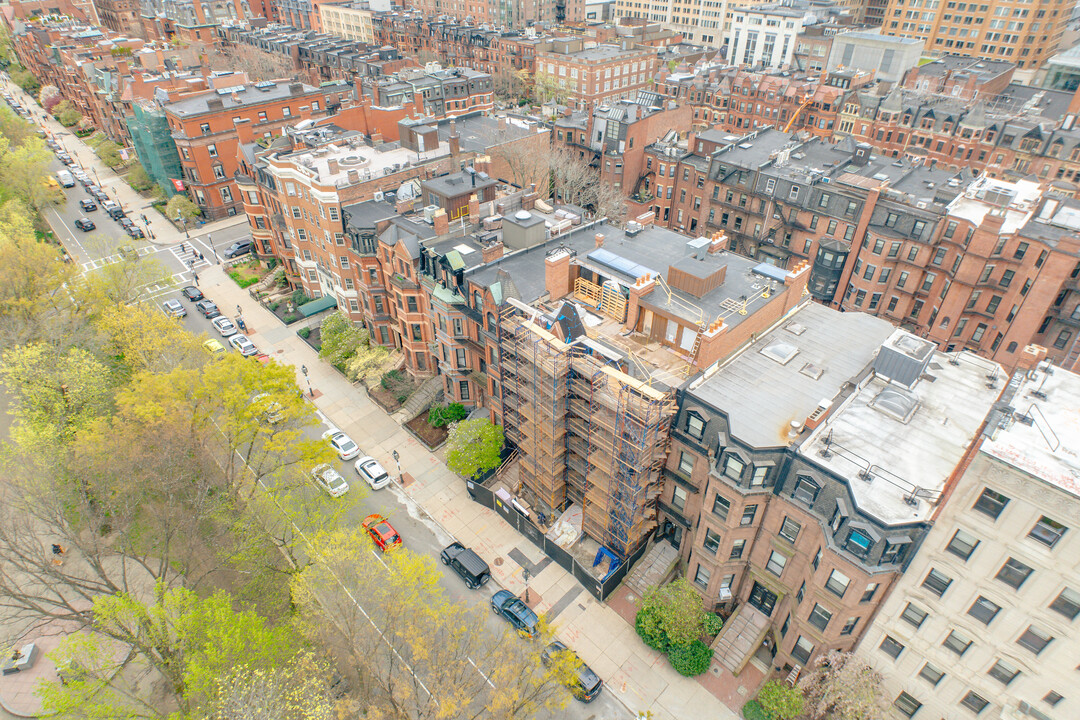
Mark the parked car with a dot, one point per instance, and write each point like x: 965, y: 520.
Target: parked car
x: 128, y: 252
x: 382, y: 533
x: 65, y: 158
x: 208, y: 309
x: 240, y: 247
x: 243, y: 345
x: 133, y: 231
x: 113, y: 209
x: 174, y: 308
x: 87, y: 205
x: 374, y: 473
x: 224, y: 326
x: 65, y: 178
x: 342, y: 444
x: 85, y: 225
x: 515, y: 612
x: 215, y: 348
x: 269, y: 410
x: 586, y: 684
x: 192, y: 293
x: 330, y: 480
x: 467, y: 564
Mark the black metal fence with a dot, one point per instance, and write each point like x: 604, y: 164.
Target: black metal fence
x: 599, y: 588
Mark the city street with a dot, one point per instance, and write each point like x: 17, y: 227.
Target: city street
x: 418, y: 531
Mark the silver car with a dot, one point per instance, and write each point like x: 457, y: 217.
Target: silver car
x: 343, y: 444
x: 173, y: 308
x: 330, y: 480
x: 244, y: 346
x: 224, y: 326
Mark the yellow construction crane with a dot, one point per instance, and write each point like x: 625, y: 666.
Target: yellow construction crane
x: 805, y: 104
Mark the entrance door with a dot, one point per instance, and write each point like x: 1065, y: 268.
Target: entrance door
x: 762, y: 599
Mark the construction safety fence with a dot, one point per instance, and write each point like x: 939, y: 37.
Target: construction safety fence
x: 600, y: 589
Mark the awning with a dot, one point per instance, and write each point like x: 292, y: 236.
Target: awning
x: 317, y: 305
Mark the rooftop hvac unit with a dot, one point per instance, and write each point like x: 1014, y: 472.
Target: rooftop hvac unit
x: 429, y: 214
x: 378, y: 195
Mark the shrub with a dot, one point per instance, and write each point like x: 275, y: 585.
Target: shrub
x: 713, y: 624
x: 679, y: 610
x: 690, y: 659
x: 290, y: 318
x: 242, y: 281
x: 299, y: 297
x: 138, y: 179
x: 753, y: 711
x: 389, y: 378
x: 648, y: 627
x: 780, y: 701
x: 304, y: 332
x: 274, y: 306
x: 443, y: 416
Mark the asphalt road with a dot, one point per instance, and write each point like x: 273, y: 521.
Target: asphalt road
x: 100, y: 247
x: 418, y: 532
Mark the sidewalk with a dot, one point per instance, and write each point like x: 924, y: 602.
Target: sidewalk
x: 641, y: 678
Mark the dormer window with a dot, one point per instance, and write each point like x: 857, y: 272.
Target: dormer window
x: 695, y: 426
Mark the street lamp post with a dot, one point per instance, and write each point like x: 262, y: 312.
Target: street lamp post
x: 397, y: 459
x: 210, y: 242
x: 303, y: 369
x: 181, y: 219
x: 525, y: 576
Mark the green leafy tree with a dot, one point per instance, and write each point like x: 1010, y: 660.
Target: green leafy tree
x: 842, y: 687
x: 473, y: 447
x: 67, y: 114
x: 23, y: 169
x: 369, y: 360
x: 780, y: 700
x: 24, y: 79
x: 190, y: 642
x: 181, y: 206
x: 678, y: 610
x: 139, y: 179
x: 109, y: 152
x: 444, y: 415
x: 298, y: 691
x: 340, y: 339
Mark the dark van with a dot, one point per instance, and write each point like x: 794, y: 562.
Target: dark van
x: 466, y: 563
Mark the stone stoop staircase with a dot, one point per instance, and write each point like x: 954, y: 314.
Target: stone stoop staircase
x: 653, y: 568
x: 424, y: 396
x: 741, y: 637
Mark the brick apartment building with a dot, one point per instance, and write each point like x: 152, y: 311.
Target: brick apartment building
x: 121, y: 16
x: 970, y: 263
x: 189, y: 20
x: 805, y: 470
x: 1027, y: 36
x: 615, y: 135
x: 591, y: 75
x: 515, y: 15
x: 204, y: 129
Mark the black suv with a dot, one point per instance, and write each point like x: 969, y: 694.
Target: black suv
x: 466, y: 563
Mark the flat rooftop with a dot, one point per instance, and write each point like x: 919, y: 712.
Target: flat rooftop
x: 330, y: 163
x: 762, y: 396
x: 246, y: 94
x: 1019, y: 199
x: 1042, y: 438
x: 907, y: 441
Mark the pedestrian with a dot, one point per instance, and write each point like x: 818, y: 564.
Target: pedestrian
x: 199, y: 254
x: 182, y: 248
x: 239, y: 311
x: 143, y: 216
x: 191, y: 264
x: 195, y: 278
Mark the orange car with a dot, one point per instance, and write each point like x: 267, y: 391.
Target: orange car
x: 382, y: 532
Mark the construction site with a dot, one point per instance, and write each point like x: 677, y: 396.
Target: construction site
x: 589, y: 433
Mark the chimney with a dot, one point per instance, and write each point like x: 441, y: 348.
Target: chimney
x: 296, y: 88
x: 354, y: 177
x: 404, y: 205
x: 454, y: 140
x: 599, y: 238
x: 1030, y: 357
x: 719, y: 240
x: 441, y: 222
x: 474, y: 208
x: 332, y: 164
x: 492, y: 252
x: 557, y: 274
x: 376, y: 138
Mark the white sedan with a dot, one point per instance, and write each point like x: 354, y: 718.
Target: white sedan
x: 224, y: 326
x: 342, y: 444
x: 244, y: 346
x: 374, y: 473
x: 330, y: 480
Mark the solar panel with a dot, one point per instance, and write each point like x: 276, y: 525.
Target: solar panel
x: 619, y: 264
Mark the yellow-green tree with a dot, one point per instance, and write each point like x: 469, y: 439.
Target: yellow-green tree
x: 189, y: 642
x: 55, y: 393
x: 180, y: 206
x: 23, y: 167
x: 473, y: 447
x: 418, y: 655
